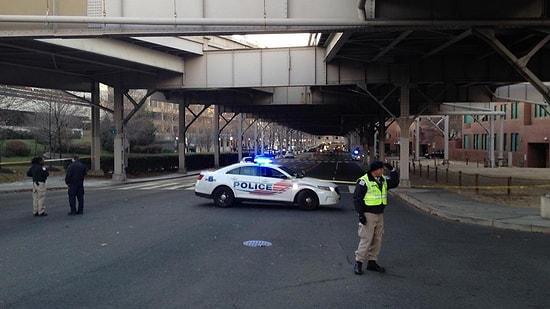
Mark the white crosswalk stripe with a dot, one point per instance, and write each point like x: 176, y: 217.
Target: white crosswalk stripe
x: 156, y: 185
x: 190, y: 186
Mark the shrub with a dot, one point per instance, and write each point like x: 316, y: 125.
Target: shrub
x: 83, y: 148
x: 17, y: 149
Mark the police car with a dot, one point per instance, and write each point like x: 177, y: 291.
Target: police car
x: 265, y: 183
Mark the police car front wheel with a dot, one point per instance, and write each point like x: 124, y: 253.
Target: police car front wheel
x: 223, y: 197
x: 307, y: 200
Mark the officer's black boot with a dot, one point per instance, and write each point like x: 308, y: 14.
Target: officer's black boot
x: 372, y: 265
x: 358, y: 269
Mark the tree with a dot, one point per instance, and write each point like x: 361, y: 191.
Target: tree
x: 140, y: 130
x: 53, y: 124
x: 7, y: 103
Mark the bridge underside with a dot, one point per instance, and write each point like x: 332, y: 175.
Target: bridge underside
x: 380, y: 59
x: 451, y: 51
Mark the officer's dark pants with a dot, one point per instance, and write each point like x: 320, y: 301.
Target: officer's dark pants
x: 76, y: 192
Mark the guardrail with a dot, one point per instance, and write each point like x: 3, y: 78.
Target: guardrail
x: 432, y: 176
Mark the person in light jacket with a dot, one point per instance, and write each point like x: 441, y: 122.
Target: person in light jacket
x: 369, y: 200
x: 39, y: 174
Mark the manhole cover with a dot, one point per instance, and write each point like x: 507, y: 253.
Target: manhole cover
x: 257, y: 243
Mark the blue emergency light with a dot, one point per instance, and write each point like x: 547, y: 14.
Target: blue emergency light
x: 262, y: 160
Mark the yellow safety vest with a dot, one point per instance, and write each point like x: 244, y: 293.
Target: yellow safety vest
x: 375, y: 196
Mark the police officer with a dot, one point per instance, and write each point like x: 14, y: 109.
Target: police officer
x: 75, y: 183
x: 369, y: 200
x: 39, y: 175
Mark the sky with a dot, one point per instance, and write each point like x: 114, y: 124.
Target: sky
x: 279, y: 40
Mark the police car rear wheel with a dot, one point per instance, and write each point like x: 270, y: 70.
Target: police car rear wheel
x: 223, y: 197
x: 307, y: 200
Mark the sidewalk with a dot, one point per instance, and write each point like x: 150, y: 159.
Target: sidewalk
x: 58, y: 182
x: 454, y: 206
x: 435, y: 201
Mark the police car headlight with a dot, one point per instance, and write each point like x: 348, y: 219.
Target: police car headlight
x: 326, y: 188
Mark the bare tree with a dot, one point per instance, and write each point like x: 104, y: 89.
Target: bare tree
x: 139, y: 130
x: 53, y: 124
x: 7, y: 105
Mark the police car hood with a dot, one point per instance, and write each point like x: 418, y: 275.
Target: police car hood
x: 315, y: 181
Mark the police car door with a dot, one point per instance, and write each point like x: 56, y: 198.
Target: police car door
x: 280, y: 187
x: 244, y: 182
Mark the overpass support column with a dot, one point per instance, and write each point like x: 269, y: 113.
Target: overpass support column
x: 240, y: 138
x: 216, y: 136
x: 367, y: 140
x: 96, y: 132
x: 416, y: 138
x: 501, y: 141
x: 120, y: 149
x: 381, y: 150
x: 404, y: 122
x: 182, y: 130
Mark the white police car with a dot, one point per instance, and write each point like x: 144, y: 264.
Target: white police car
x: 269, y: 183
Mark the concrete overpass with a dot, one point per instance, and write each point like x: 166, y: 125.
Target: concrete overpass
x: 373, y: 60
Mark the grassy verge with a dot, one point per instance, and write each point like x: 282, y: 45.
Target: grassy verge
x: 15, y: 168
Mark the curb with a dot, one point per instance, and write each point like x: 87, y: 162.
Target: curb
x: 506, y: 223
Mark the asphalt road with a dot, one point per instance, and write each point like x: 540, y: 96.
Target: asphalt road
x: 157, y: 245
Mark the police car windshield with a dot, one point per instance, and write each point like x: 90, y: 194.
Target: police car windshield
x: 291, y: 172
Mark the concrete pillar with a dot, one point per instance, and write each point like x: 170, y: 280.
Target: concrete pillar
x: 240, y: 138
x: 491, y: 141
x: 417, y: 139
x: 182, y: 129
x: 382, y: 137
x: 545, y: 206
x: 446, y: 140
x: 501, y: 141
x: 120, y: 154
x: 404, y: 124
x: 368, y: 140
x: 96, y: 133
x: 216, y: 136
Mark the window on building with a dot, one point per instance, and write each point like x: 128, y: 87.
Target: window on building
x: 476, y: 142
x: 514, y: 142
x: 467, y: 119
x: 505, y: 141
x: 540, y: 111
x: 466, y: 141
x: 484, y: 142
x: 514, y: 113
x: 503, y: 108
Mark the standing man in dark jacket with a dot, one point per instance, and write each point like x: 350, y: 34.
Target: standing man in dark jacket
x: 75, y: 182
x: 39, y: 174
x: 369, y: 200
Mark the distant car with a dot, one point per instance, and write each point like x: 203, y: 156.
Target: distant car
x: 263, y: 159
x: 356, y: 155
x: 435, y: 154
x: 257, y: 159
x: 247, y: 159
x: 267, y: 183
x: 288, y: 155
